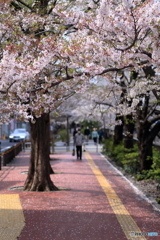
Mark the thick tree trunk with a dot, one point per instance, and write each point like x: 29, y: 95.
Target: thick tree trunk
x: 144, y: 136
x: 118, y: 132
x: 146, y: 160
x: 38, y: 178
x: 145, y: 146
x: 129, y: 129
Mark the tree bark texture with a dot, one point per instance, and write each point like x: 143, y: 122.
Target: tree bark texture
x: 38, y: 178
x: 145, y: 147
x: 129, y: 129
x: 118, y: 132
x: 143, y: 135
x: 146, y: 133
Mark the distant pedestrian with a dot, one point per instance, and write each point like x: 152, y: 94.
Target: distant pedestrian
x: 95, y: 135
x: 100, y: 133
x: 87, y: 134
x: 78, y: 142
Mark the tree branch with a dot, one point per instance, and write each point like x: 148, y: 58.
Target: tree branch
x: 154, y: 131
x: 25, y: 4
x: 114, y: 69
x: 153, y: 120
x: 5, y: 92
x: 136, y: 31
x: 104, y: 103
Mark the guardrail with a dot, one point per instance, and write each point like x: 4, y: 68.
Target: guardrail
x: 7, y: 155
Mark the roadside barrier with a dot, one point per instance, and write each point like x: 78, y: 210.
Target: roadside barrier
x: 0, y: 161
x: 8, y: 155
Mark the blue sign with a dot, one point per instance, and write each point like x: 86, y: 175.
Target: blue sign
x: 152, y: 234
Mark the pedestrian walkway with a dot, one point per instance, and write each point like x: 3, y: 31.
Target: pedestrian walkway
x: 95, y: 203
x: 89, y: 146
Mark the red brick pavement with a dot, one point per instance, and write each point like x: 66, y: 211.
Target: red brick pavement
x: 81, y: 211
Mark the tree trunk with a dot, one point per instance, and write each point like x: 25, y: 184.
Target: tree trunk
x: 145, y: 146
x: 144, y: 136
x: 38, y: 178
x: 118, y: 132
x: 48, y: 135
x: 129, y: 129
x: 146, y: 160
x: 147, y: 143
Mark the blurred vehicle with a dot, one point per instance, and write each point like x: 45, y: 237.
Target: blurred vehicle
x: 19, y: 134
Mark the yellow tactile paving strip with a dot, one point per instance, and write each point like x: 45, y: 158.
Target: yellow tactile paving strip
x: 11, y: 217
x: 124, y: 218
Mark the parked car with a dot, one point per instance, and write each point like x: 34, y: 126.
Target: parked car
x: 19, y: 134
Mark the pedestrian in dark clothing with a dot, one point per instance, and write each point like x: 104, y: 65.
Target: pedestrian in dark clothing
x: 86, y: 134
x: 100, y: 133
x: 78, y: 142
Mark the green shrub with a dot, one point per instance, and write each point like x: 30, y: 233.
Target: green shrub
x: 126, y: 158
x: 139, y: 177
x: 129, y: 160
x: 90, y: 123
x: 154, y: 172
x: 63, y: 135
x: 108, y: 146
x: 156, y: 159
x: 149, y: 174
x: 118, y: 154
x: 158, y: 200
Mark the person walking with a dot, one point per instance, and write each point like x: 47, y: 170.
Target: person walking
x: 78, y: 142
x: 100, y: 133
x: 86, y: 134
x: 95, y: 136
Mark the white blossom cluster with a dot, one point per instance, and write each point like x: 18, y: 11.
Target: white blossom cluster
x: 46, y: 58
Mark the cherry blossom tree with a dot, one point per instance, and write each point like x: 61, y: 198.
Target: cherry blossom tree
x: 49, y: 49
x: 36, y: 76
x: 138, y: 47
x: 142, y: 107
x: 124, y: 35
